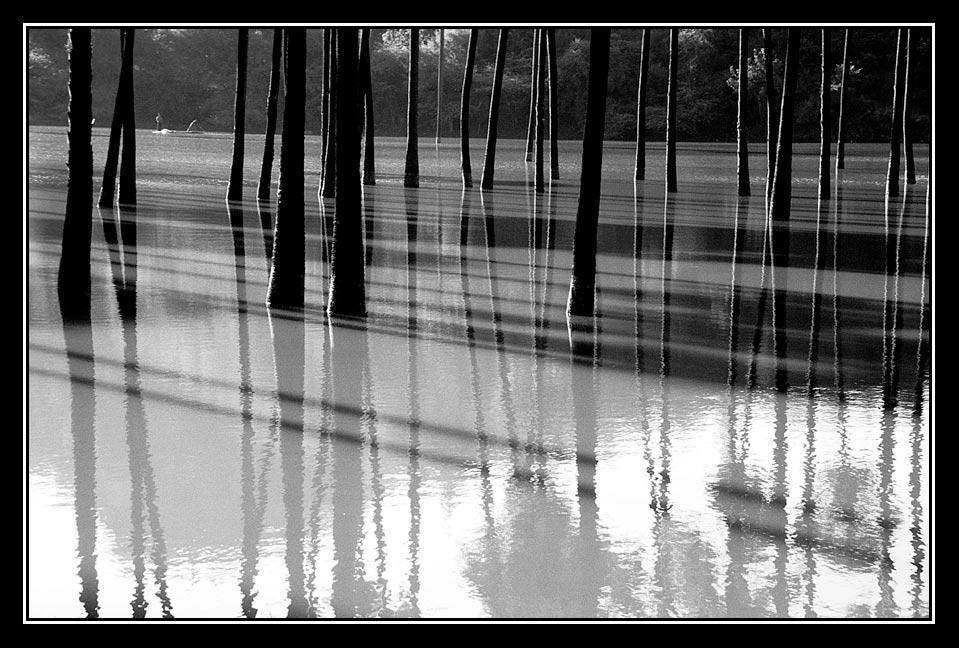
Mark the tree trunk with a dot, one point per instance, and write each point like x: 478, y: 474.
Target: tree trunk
x: 235, y: 189
x: 641, y: 108
x: 825, y: 116
x: 553, y: 104
x: 531, y: 129
x: 671, y: 111
x: 327, y: 47
x: 907, y: 110
x: 582, y: 286
x: 347, y: 288
x: 369, y: 157
x: 412, y: 176
x: 109, y: 185
x: 489, y: 166
x: 465, y: 109
x: 286, y: 284
x: 73, y: 279
x: 742, y: 140
x: 540, y: 110
x: 128, y: 155
x: 772, y: 118
x: 329, y: 163
x: 898, y: 90
x: 841, y: 134
x: 266, y: 169
x: 439, y: 84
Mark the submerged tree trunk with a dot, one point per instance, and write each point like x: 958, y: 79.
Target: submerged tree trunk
x: 465, y: 109
x: 329, y: 158
x: 553, y: 104
x: 412, y: 175
x: 841, y: 132
x: 287, y: 272
x: 109, y: 184
x: 347, y: 289
x: 825, y: 116
x: 895, y: 137
x: 489, y: 166
x: 366, y: 70
x: 266, y: 168
x: 742, y: 140
x: 531, y: 129
x: 671, y: 111
x: 582, y: 286
x: 907, y: 110
x: 439, y: 84
x: 73, y: 278
x: 235, y: 189
x: 641, y: 108
x: 772, y: 116
x: 540, y: 111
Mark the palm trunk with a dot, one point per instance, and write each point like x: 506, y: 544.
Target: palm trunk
x: 439, y: 84
x: 892, y: 177
x: 369, y: 156
x: 553, y: 104
x: 287, y: 275
x: 324, y: 134
x: 73, y: 279
x: 329, y: 163
x: 742, y: 140
x: 907, y: 110
x: 540, y: 110
x: 412, y: 175
x: 772, y: 118
x: 841, y: 132
x: 531, y: 128
x: 347, y: 289
x: 825, y: 117
x: 266, y: 168
x: 489, y: 166
x: 582, y: 286
x: 465, y: 109
x: 235, y: 189
x: 128, y: 155
x: 641, y: 108
x: 671, y: 111
x: 109, y: 185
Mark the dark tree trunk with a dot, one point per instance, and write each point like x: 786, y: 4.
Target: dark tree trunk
x: 369, y: 156
x: 286, y: 285
x: 540, y: 110
x: 772, y: 116
x: 266, y: 169
x: 841, y: 132
x: 671, y: 111
x: 325, y: 132
x: 235, y: 189
x: 825, y: 116
x: 465, y: 109
x: 128, y: 155
x: 73, y: 279
x: 439, y: 84
x: 895, y: 137
x: 347, y: 288
x: 412, y: 175
x: 907, y: 110
x: 553, y: 104
x: 641, y: 108
x: 531, y: 129
x: 329, y: 163
x: 489, y: 166
x: 109, y: 185
x: 582, y: 286
x: 742, y: 139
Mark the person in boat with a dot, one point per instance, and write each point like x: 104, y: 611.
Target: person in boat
x: 159, y: 122
x: 194, y: 127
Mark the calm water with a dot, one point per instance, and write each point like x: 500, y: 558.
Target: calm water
x: 465, y: 454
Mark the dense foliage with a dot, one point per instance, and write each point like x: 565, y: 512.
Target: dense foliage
x: 188, y: 74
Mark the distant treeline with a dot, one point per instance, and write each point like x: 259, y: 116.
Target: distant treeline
x: 189, y: 74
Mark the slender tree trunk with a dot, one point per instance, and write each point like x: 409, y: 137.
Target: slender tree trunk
x: 329, y: 164
x: 671, y: 111
x: 895, y: 137
x: 772, y: 116
x: 553, y: 104
x: 266, y: 168
x: 841, y: 132
x: 412, y: 176
x: 465, y: 109
x: 907, y: 109
x: 439, y: 84
x: 742, y: 139
x: 582, y: 286
x: 73, y: 279
x: 128, y: 154
x: 235, y: 189
x: 531, y: 129
x: 489, y: 166
x: 287, y: 275
x: 825, y: 116
x: 540, y: 110
x: 109, y: 185
x: 366, y: 69
x: 347, y: 287
x: 325, y: 132
x: 641, y: 108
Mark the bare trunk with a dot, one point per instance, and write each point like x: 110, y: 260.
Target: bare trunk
x: 742, y: 139
x: 439, y: 84
x: 825, y: 117
x: 892, y: 177
x: 328, y: 189
x: 772, y: 117
x: 235, y: 189
x: 540, y: 111
x: 489, y: 167
x: 465, y: 109
x: 128, y: 155
x: 641, y: 108
x: 412, y: 175
x: 109, y: 186
x: 671, y: 111
x: 369, y: 156
x: 531, y: 129
x: 841, y: 134
x: 266, y: 168
x: 907, y: 110
x: 553, y: 104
